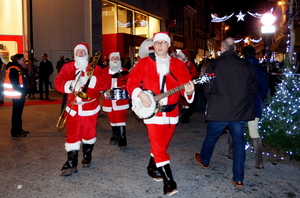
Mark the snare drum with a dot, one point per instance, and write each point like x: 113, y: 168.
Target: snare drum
x: 116, y: 94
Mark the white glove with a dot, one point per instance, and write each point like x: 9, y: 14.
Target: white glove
x: 78, y: 86
x: 83, y: 79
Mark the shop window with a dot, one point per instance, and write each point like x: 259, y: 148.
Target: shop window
x: 109, y: 17
x: 125, y: 20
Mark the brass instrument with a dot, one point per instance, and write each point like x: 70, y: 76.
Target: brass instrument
x: 61, y: 122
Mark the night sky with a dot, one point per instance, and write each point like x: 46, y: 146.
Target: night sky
x: 241, y: 29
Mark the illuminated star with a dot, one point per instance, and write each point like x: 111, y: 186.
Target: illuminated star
x: 240, y: 16
x: 143, y: 23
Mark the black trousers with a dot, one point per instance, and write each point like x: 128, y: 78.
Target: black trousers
x: 44, y: 81
x: 16, y: 118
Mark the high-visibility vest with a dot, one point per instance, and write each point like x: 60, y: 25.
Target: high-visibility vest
x: 9, y: 92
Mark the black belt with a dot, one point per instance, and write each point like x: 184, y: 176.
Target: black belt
x: 168, y: 108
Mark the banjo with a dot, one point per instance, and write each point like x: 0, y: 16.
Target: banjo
x: 148, y: 112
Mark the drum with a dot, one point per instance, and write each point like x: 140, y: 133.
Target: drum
x: 116, y: 94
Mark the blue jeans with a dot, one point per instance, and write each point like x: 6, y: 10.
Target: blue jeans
x: 214, y: 130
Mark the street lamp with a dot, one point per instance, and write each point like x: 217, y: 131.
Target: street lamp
x: 268, y: 28
x: 226, y: 28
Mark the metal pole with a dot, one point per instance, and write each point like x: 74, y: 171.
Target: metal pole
x: 268, y: 51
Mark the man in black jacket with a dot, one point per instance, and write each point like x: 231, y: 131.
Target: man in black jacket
x: 45, y: 70
x: 230, y: 102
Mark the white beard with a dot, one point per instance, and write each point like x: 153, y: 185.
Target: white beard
x: 162, y: 65
x: 115, y: 66
x: 81, y: 62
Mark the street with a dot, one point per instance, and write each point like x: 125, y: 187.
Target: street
x: 30, y: 166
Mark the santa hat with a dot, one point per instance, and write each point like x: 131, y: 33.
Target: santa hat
x: 185, y: 52
x: 162, y: 36
x: 114, y: 54
x: 151, y: 49
x: 182, y: 54
x: 172, y: 50
x: 84, y: 46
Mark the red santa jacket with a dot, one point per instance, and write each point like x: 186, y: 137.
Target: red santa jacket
x: 145, y: 74
x: 109, y: 105
x: 81, y: 106
x: 192, y: 69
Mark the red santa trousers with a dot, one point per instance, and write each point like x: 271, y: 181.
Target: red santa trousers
x: 160, y: 137
x: 81, y: 127
x: 117, y: 118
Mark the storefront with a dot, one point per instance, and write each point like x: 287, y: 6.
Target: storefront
x: 12, y: 29
x: 124, y: 29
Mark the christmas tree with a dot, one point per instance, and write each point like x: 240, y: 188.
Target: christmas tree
x: 280, y: 123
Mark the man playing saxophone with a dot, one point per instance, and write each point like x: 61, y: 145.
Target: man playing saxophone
x: 82, y: 113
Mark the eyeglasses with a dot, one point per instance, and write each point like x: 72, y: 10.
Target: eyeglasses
x: 161, y: 43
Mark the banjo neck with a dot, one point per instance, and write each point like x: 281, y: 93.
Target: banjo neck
x: 170, y: 92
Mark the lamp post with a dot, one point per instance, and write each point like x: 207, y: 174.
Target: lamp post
x: 226, y: 28
x: 268, y: 28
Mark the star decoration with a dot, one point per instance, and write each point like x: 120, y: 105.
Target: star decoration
x: 143, y: 23
x: 240, y: 16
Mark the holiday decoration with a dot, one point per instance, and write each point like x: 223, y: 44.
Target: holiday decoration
x: 240, y: 16
x: 217, y: 19
x: 280, y: 123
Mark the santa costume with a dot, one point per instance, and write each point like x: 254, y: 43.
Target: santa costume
x: 116, y: 108
x: 160, y: 75
x: 186, y: 112
x: 81, y: 122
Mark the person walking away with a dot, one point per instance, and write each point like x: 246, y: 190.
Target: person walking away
x: 81, y: 122
x: 230, y: 102
x: 45, y: 70
x: 116, y: 108
x: 15, y: 89
x: 159, y: 73
x: 186, y: 112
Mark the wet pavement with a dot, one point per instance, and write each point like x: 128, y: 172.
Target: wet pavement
x: 30, y: 166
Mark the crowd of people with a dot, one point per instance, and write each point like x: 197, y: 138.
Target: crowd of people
x: 234, y: 97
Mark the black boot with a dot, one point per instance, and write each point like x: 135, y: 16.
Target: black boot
x: 87, y: 154
x: 185, y: 116
x: 71, y: 164
x: 153, y: 170
x: 170, y: 186
x: 122, y: 137
x: 114, y: 138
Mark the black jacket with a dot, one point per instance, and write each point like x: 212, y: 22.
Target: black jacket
x: 45, y: 69
x: 230, y: 95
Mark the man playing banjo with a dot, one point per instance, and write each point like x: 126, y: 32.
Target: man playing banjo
x: 159, y: 73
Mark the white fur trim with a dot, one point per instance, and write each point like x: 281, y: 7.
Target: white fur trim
x: 92, y: 82
x: 91, y: 141
x: 89, y: 112
x: 189, y: 100
x: 162, y: 36
x: 72, y: 146
x: 118, y: 124
x: 160, y: 164
x: 107, y: 109
x: 67, y: 86
x: 161, y: 120
x: 80, y: 46
x: 114, y: 54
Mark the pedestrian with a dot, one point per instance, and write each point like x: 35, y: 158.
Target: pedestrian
x: 30, y: 78
x: 186, y: 111
x: 15, y: 89
x: 117, y: 103
x: 45, y: 70
x: 159, y: 73
x: 2, y: 75
x: 60, y: 63
x: 81, y: 122
x: 262, y: 80
x: 230, y: 102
